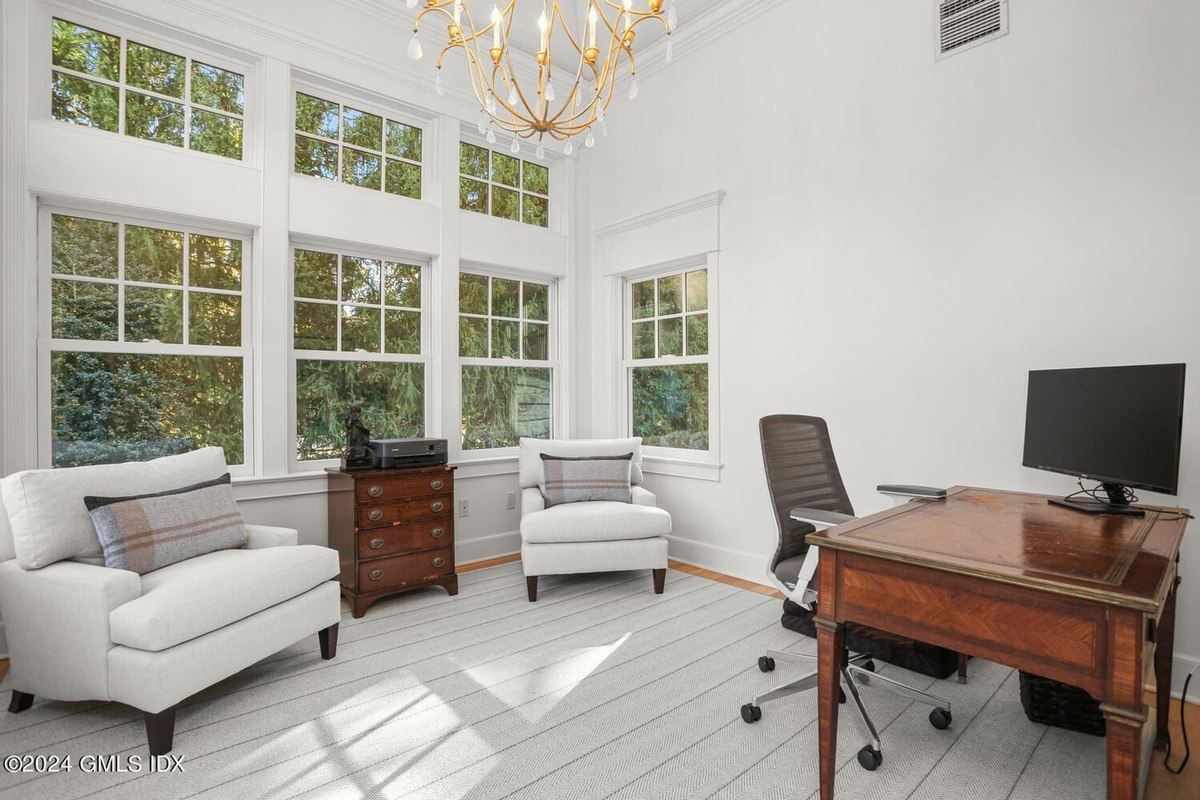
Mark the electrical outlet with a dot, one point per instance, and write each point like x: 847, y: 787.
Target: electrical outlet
x: 464, y: 508
x: 512, y: 500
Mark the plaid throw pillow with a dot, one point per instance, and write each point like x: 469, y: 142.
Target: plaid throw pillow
x: 576, y: 480
x: 148, y: 531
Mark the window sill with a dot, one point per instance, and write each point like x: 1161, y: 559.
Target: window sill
x: 682, y: 468
x: 483, y: 466
x: 266, y: 487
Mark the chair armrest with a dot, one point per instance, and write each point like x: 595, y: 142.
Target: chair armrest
x: 643, y: 497
x: 56, y: 622
x: 260, y: 536
x: 819, y: 518
x: 905, y: 490
x: 532, y: 500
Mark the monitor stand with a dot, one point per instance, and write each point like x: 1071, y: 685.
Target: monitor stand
x: 1117, y: 504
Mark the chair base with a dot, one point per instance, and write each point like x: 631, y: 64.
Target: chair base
x: 569, y: 558
x: 21, y: 701
x: 660, y: 582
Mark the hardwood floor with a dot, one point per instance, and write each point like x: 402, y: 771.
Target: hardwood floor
x: 1161, y: 785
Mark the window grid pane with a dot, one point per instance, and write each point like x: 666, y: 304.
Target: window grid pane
x: 503, y: 185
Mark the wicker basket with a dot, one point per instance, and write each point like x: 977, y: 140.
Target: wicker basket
x: 1053, y: 703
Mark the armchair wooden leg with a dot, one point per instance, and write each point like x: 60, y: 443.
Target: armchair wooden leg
x: 20, y: 701
x: 660, y: 580
x: 531, y: 587
x: 328, y: 639
x: 160, y: 730
x: 962, y: 667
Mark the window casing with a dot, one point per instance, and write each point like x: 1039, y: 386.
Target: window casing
x: 503, y: 185
x: 360, y: 337
x: 117, y: 84
x: 147, y: 332
x: 667, y: 363
x: 338, y: 142
x: 508, y: 359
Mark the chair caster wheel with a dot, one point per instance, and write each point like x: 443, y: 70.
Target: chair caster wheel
x: 869, y: 758
x: 751, y: 713
x: 940, y: 718
x: 869, y: 665
x: 766, y: 663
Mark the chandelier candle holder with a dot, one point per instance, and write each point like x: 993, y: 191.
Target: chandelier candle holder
x: 584, y: 67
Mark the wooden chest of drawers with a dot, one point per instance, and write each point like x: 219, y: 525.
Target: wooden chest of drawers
x: 393, y: 530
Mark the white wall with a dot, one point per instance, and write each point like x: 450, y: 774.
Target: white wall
x: 903, y: 239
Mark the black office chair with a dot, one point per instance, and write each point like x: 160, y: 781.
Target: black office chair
x: 807, y: 494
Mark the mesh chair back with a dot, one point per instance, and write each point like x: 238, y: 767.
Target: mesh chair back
x: 801, y: 471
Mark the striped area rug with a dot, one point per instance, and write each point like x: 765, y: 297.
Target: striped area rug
x: 601, y: 689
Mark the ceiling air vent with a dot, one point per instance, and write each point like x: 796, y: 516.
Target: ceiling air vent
x: 962, y: 24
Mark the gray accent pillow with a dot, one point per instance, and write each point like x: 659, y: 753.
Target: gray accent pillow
x: 584, y: 478
x: 144, y: 532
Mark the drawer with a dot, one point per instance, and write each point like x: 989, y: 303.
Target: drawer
x: 398, y: 571
x: 386, y: 515
x: 377, y: 489
x: 404, y: 539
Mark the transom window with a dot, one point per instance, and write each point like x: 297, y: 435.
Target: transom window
x: 507, y: 354
x: 667, y: 359
x: 359, y: 340
x: 147, y: 338
x: 109, y: 82
x: 503, y: 185
x: 337, y: 142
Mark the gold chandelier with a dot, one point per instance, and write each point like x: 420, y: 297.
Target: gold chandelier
x: 584, y: 67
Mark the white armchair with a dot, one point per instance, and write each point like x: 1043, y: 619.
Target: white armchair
x: 596, y: 536
x: 78, y: 630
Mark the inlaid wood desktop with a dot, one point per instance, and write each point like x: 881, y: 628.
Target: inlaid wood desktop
x: 1085, y: 599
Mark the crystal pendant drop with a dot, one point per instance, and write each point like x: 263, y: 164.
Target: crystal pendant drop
x: 411, y: 3
x: 549, y: 93
x: 516, y: 147
x: 414, y: 48
x: 489, y: 103
x: 512, y: 95
x: 604, y: 129
x: 633, y: 89
x: 483, y: 122
x: 491, y: 135
x: 437, y: 85
x: 670, y: 48
x: 568, y: 148
x: 541, y: 150
x: 590, y: 140
x: 671, y: 16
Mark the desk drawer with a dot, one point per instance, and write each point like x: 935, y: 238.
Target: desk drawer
x: 404, y: 539
x: 390, y: 573
x: 376, y: 490
x: 390, y: 514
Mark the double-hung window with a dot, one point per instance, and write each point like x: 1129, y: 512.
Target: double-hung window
x: 507, y: 352
x: 667, y: 362
x: 360, y: 338
x: 116, y: 84
x: 147, y: 330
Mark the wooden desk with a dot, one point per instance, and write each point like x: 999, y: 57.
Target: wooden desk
x: 1084, y: 599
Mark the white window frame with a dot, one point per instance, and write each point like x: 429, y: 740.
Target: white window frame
x: 126, y: 29
x: 344, y: 98
x: 711, y: 456
x: 491, y: 184
x: 425, y: 357
x: 47, y: 345
x: 554, y: 348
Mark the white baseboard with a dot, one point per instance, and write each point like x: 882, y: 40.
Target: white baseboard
x: 1181, y: 666
x: 482, y: 548
x: 726, y: 560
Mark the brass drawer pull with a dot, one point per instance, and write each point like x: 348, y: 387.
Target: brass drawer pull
x: 437, y: 484
x: 437, y: 562
x: 376, y: 574
x: 375, y: 515
x: 438, y: 506
x: 376, y: 543
x: 437, y: 533
x: 374, y: 490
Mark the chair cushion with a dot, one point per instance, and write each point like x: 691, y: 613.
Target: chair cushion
x: 46, y: 511
x: 598, y: 521
x: 149, y: 531
x: 194, y: 597
x: 586, y: 478
x: 530, y: 461
x: 788, y: 570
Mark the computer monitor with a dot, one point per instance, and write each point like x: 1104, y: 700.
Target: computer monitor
x: 1120, y: 426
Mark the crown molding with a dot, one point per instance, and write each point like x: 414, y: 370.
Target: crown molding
x: 660, y: 214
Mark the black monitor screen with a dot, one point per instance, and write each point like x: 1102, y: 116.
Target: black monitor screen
x: 1112, y: 424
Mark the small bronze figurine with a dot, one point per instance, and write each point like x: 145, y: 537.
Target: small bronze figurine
x: 358, y: 441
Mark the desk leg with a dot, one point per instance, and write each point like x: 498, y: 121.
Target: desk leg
x: 831, y: 640
x: 1164, y: 655
x: 1124, y: 738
